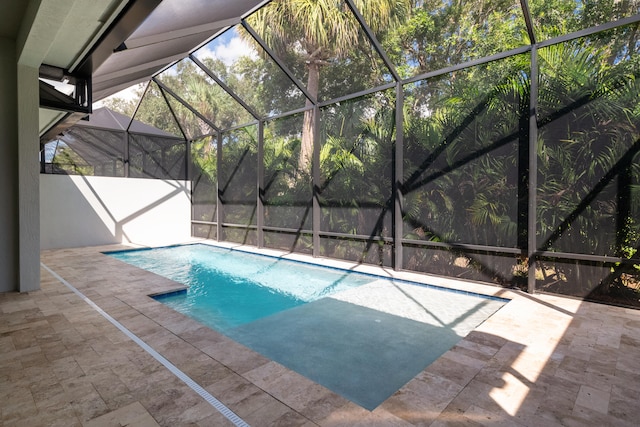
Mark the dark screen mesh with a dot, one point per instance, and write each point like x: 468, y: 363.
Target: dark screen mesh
x: 287, y: 182
x: 588, y: 166
x: 587, y: 147
x: 461, y: 154
x: 204, y: 231
x: 597, y: 281
x: 351, y: 249
x: 243, y: 236
x: 238, y: 176
x: 466, y: 264
x: 156, y: 157
x: 204, y: 178
x: 356, y: 172
x: 290, y: 242
x: 87, y: 151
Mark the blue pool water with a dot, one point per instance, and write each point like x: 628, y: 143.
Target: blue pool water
x: 360, y: 335
x: 228, y: 288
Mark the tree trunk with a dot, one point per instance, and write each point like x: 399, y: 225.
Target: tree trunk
x: 306, y: 148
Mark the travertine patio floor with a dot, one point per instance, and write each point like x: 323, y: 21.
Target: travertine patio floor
x: 540, y: 361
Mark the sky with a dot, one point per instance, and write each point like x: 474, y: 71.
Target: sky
x: 228, y: 47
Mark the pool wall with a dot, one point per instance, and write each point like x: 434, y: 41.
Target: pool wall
x: 77, y: 211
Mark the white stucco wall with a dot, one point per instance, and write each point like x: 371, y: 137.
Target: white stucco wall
x: 80, y: 211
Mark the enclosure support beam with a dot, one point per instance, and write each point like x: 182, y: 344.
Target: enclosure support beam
x: 398, y: 173
x: 315, y: 171
x: 135, y: 111
x: 184, y: 103
x: 125, y: 139
x: 528, y: 21
x: 533, y: 174
x: 260, y: 184
x: 373, y: 39
x: 278, y: 61
x: 224, y: 86
x: 173, y: 113
x: 624, y: 212
x: 219, y: 208
x: 187, y: 161
x: 42, y: 159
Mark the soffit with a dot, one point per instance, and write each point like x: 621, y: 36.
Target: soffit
x: 57, y: 33
x: 170, y: 32
x: 60, y: 32
x: 79, y: 30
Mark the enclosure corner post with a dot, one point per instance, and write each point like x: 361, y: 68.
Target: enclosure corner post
x: 260, y: 184
x: 219, y: 208
x: 126, y: 140
x: 315, y: 172
x: 398, y: 172
x: 533, y: 174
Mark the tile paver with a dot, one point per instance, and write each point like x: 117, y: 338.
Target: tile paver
x: 541, y: 360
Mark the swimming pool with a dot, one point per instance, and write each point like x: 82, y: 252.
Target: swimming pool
x: 362, y: 336
x: 228, y: 288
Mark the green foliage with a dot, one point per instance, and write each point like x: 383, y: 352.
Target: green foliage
x: 203, y: 155
x: 356, y: 165
x: 121, y: 105
x: 460, y: 155
x: 322, y: 42
x: 189, y: 82
x: 238, y: 175
x: 67, y: 161
x: 465, y: 136
x: 589, y: 133
x: 437, y: 34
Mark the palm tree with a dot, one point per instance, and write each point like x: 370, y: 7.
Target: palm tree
x: 322, y: 31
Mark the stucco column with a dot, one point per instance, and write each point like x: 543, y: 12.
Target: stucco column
x: 28, y: 178
x: 8, y: 168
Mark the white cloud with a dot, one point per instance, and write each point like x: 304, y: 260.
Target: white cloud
x: 229, y: 52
